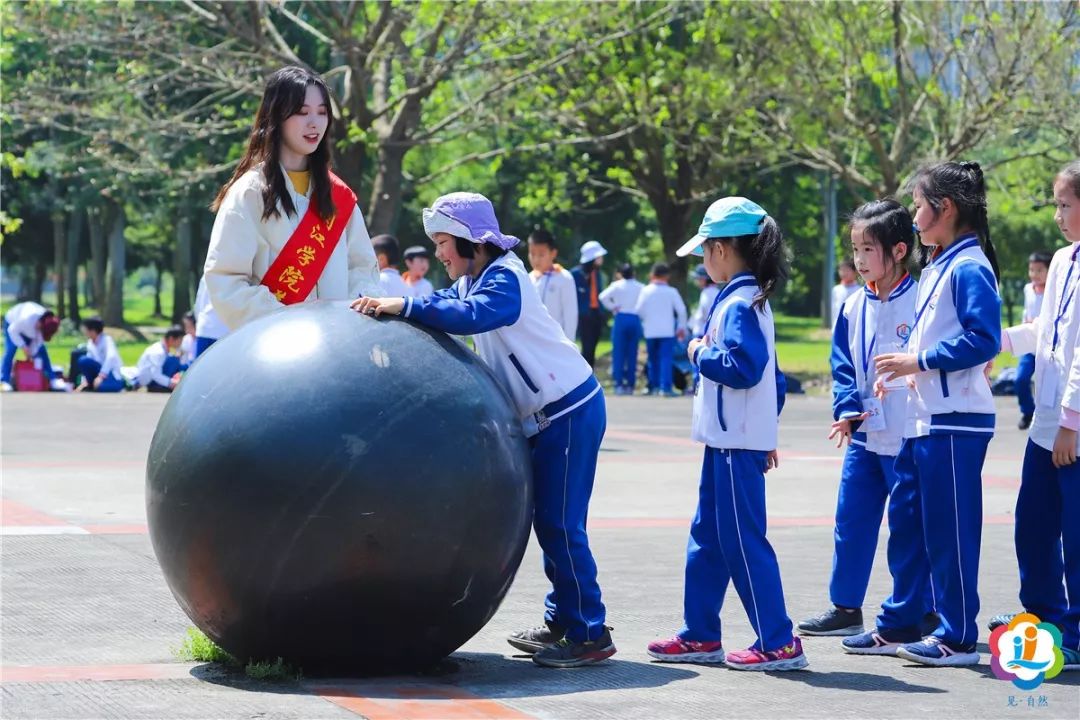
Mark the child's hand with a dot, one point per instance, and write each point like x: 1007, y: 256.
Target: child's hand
x: 880, y: 390
x: 1064, y: 448
x: 772, y: 460
x: 987, y: 370
x: 896, y: 365
x: 696, y: 343
x: 680, y: 334
x: 378, y: 306
x: 841, y: 429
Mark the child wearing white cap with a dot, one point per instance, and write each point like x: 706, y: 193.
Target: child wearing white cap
x: 589, y: 282
x: 736, y: 414
x: 559, y: 401
x: 417, y: 263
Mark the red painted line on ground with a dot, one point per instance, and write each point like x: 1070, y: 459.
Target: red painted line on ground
x: 132, y: 529
x: 427, y: 702
x: 73, y: 673
x: 14, y: 514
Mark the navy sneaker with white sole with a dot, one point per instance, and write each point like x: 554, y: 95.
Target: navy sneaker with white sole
x: 880, y: 641
x: 935, y: 651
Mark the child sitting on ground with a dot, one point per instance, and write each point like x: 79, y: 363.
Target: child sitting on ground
x: 160, y: 364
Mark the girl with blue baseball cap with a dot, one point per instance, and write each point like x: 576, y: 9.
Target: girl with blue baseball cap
x: 736, y: 414
x: 559, y: 401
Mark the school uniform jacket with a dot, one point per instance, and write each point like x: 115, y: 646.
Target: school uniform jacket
x: 22, y: 320
x: 150, y: 367
x: 737, y: 404
x: 391, y: 284
x: 104, y: 352
x: 956, y: 331
x: 515, y: 335
x: 661, y: 310
x: 243, y: 246
x: 1032, y: 302
x: 621, y: 296
x: 559, y: 295
x: 865, y: 327
x: 1058, y: 366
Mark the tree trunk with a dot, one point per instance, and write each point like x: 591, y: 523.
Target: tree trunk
x: 96, y: 219
x: 88, y: 287
x: 385, y: 205
x: 828, y: 270
x: 182, y: 267
x: 113, y: 313
x: 59, y: 261
x: 159, y: 272
x: 37, y: 280
x: 76, y: 222
x: 674, y: 222
x: 349, y: 164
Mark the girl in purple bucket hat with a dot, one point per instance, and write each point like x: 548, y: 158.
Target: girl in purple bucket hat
x: 559, y: 401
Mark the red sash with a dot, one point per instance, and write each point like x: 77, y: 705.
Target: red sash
x: 300, y: 264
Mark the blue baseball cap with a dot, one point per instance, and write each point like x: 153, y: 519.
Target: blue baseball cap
x: 727, y: 217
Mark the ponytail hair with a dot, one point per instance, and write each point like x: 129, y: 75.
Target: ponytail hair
x: 964, y: 184
x: 765, y: 254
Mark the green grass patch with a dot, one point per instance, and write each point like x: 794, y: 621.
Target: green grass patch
x: 197, y: 647
x: 273, y: 670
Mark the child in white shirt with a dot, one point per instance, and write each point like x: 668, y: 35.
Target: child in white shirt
x: 663, y: 318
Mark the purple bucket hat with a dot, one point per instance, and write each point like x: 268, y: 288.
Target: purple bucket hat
x: 468, y: 215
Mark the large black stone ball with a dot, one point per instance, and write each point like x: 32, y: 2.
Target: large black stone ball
x: 343, y: 492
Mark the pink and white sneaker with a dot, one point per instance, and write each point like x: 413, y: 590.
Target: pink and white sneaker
x: 678, y: 650
x: 789, y: 657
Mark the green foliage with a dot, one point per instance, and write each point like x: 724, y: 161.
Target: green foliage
x: 619, y: 123
x: 277, y: 670
x: 197, y: 647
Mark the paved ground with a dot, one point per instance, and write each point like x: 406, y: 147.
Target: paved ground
x: 88, y: 623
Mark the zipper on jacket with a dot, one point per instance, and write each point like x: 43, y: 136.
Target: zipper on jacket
x: 524, y: 375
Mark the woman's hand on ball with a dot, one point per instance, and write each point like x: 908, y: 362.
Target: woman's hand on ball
x: 379, y: 306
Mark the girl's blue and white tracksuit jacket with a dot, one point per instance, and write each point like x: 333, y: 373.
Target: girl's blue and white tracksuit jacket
x: 867, y: 326
x: 1048, y: 506
x: 948, y: 426
x: 736, y: 413
x: 561, y: 406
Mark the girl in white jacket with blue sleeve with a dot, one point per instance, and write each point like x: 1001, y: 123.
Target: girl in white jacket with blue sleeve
x: 559, y: 401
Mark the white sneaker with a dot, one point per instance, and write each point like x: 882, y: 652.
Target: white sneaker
x: 6, y: 387
x: 59, y: 385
